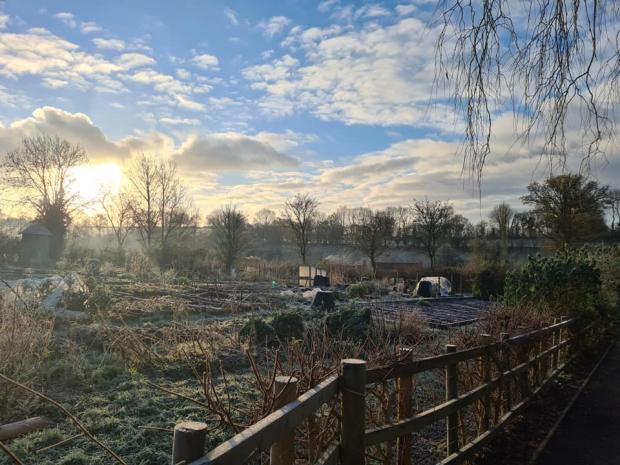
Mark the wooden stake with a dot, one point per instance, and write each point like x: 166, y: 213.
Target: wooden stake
x: 353, y: 412
x: 507, y: 385
x: 404, y: 389
x: 188, y: 442
x: 485, y: 369
x: 283, y: 451
x: 452, y: 393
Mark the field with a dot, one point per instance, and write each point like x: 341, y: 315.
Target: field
x: 130, y: 358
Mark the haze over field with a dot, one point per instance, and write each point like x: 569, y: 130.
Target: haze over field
x: 258, y: 101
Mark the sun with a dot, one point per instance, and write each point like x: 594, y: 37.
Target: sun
x: 90, y: 181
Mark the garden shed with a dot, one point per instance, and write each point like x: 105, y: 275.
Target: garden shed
x: 35, y: 246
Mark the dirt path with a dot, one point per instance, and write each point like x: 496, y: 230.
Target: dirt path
x: 590, y: 433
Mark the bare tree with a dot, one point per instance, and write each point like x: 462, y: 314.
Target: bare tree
x: 117, y: 212
x: 41, y: 168
x: 548, y: 61
x: 142, y: 177
x: 501, y: 216
x: 299, y: 213
x: 265, y: 217
x: 370, y: 233
x: 229, y: 227
x: 402, y: 222
x: 432, y: 221
x: 158, y: 201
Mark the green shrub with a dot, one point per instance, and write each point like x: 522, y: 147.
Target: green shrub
x: 357, y: 291
x: 288, y: 326
x: 258, y: 331
x: 99, y: 299
x: 568, y: 282
x: 488, y: 283
x: 74, y: 300
x: 349, y: 323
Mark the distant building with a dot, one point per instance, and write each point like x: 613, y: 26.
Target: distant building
x: 35, y: 246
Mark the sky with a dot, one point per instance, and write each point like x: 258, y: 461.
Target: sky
x: 256, y: 101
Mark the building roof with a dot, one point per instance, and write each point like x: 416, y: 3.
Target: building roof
x: 36, y: 229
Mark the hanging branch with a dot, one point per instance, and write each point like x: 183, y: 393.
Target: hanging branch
x: 75, y: 421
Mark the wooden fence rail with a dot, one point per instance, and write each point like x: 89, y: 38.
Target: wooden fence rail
x: 512, y: 369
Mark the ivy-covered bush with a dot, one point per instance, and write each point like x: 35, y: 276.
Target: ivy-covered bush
x: 288, y: 326
x: 99, y: 299
x: 349, y: 323
x: 488, y: 283
x: 363, y: 289
x: 258, y: 331
x: 568, y: 282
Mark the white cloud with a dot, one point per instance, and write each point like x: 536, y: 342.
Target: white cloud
x: 109, y: 44
x: 61, y: 63
x: 230, y: 152
x: 178, y: 92
x: 274, y: 25
x: 88, y: 27
x: 179, y: 121
x: 75, y: 127
x: 183, y: 73
x: 134, y: 60
x: 4, y: 21
x: 373, y: 75
x: 326, y: 5
x: 404, y: 10
x: 205, y: 61
x: 67, y: 18
x: 231, y: 16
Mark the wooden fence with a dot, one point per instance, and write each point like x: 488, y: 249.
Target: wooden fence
x: 512, y: 369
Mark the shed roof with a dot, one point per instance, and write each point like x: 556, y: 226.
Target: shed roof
x: 36, y: 229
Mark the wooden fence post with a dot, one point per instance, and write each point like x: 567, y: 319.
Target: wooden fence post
x: 451, y: 393
x: 540, y: 347
x: 556, y: 341
x: 283, y: 451
x: 353, y: 412
x: 404, y: 388
x: 524, y: 357
x: 505, y: 364
x: 485, y: 370
x: 188, y: 441
x: 563, y: 352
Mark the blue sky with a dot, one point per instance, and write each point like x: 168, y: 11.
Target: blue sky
x: 254, y: 100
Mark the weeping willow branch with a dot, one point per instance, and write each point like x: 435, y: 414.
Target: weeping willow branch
x: 554, y: 63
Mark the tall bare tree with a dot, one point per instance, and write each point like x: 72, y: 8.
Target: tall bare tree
x: 300, y: 212
x: 158, y: 201
x: 41, y: 168
x: 117, y: 212
x: 370, y: 233
x: 229, y: 228
x: 551, y: 62
x: 142, y: 177
x: 501, y: 216
x: 432, y: 222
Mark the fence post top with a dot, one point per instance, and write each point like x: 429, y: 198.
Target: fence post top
x: 353, y: 361
x: 190, y: 426
x: 283, y: 379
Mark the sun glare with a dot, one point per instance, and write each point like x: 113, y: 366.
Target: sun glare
x: 89, y: 181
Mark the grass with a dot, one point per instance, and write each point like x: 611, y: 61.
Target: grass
x: 116, y: 410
